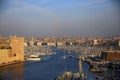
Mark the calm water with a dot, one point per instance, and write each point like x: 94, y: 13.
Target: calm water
x: 46, y: 69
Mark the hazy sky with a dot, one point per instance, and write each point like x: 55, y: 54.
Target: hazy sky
x: 60, y: 17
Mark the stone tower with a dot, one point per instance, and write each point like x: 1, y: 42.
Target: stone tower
x: 17, y: 48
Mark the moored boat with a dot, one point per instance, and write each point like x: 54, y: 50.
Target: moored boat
x: 34, y: 57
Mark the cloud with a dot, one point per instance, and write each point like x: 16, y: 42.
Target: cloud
x: 23, y: 7
x: 26, y: 18
x: 24, y: 12
x: 97, y: 3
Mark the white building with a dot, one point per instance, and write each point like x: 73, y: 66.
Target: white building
x: 39, y: 43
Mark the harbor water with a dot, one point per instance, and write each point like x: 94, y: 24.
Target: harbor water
x: 47, y: 69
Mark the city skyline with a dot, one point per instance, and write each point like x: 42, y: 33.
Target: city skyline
x: 60, y: 18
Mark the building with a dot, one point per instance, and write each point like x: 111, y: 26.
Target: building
x: 25, y: 44
x: 12, y: 51
x: 119, y: 43
x: 111, y: 56
x: 95, y: 42
x: 60, y: 43
x: 51, y: 44
x: 31, y: 43
x: 39, y: 43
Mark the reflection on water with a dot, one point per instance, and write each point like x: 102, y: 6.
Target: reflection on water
x: 12, y: 72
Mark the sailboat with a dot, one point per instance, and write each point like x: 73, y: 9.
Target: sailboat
x: 64, y: 57
x: 73, y: 76
x: 70, y: 55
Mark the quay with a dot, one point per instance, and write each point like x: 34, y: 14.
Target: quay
x: 95, y: 62
x: 11, y: 63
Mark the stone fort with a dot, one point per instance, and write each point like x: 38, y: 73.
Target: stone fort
x: 11, y: 50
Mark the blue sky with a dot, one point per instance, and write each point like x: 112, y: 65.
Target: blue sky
x: 60, y: 17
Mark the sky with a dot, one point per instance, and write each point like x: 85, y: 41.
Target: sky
x: 60, y: 18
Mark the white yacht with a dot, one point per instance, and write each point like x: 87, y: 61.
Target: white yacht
x: 34, y: 57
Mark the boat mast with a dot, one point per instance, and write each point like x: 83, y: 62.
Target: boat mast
x: 80, y: 66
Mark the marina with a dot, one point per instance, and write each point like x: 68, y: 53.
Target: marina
x: 60, y: 40
x: 48, y: 68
